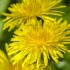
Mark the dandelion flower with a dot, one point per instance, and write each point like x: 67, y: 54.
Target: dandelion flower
x: 29, y: 11
x: 5, y: 64
x: 39, y: 44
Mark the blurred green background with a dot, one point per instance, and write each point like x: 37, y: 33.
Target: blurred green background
x: 5, y: 36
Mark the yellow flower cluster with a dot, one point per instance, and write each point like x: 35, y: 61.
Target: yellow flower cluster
x: 29, y: 11
x: 5, y: 64
x: 31, y: 43
x: 38, y: 37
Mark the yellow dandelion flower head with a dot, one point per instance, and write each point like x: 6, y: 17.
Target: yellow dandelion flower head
x: 39, y: 44
x: 29, y: 11
x: 5, y: 64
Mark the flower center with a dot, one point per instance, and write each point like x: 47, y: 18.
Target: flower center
x: 32, y: 10
x: 37, y: 38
